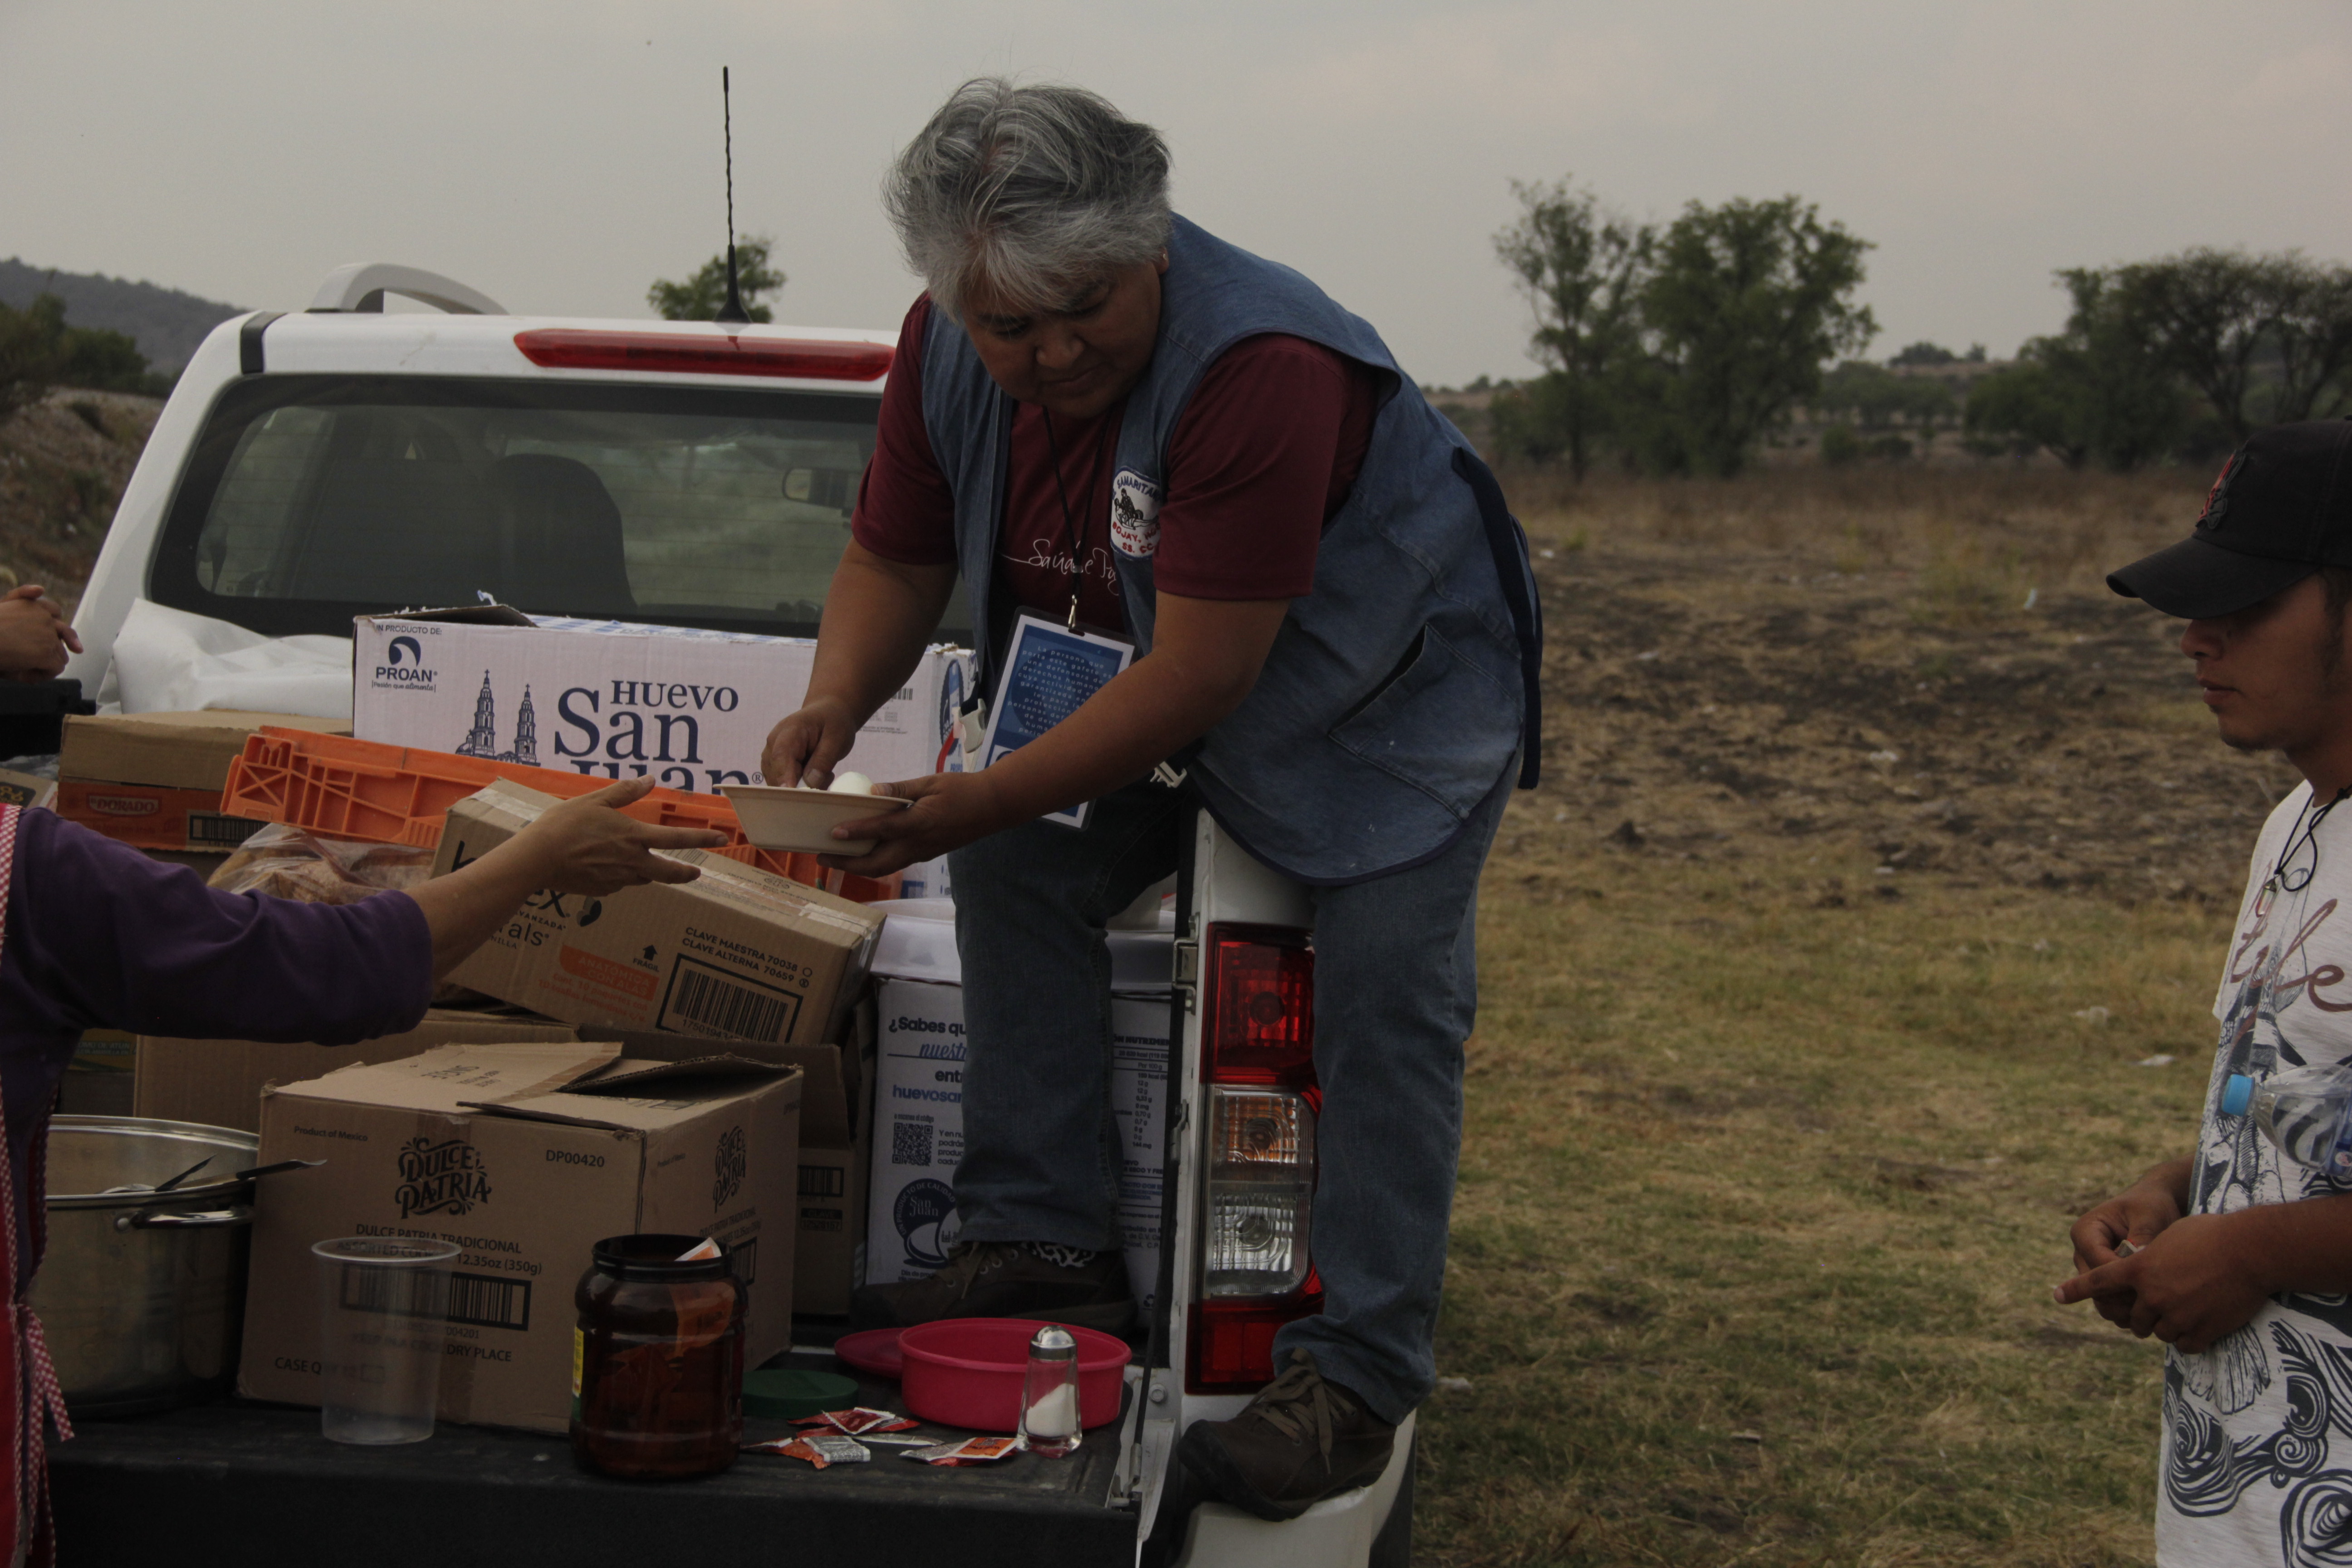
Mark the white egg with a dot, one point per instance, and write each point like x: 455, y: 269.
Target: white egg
x: 851, y: 784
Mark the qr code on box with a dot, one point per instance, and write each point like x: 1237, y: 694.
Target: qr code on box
x: 910, y: 1144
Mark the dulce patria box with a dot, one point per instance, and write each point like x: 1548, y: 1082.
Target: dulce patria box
x: 525, y: 1156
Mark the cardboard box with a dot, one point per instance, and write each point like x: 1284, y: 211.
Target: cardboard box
x: 525, y: 1156
x: 154, y: 780
x: 220, y: 1082
x: 99, y: 1079
x: 175, y: 751
x: 918, y: 1129
x: 738, y: 954
x: 616, y: 700
x: 836, y: 1123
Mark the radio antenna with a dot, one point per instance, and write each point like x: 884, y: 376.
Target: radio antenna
x: 732, y: 312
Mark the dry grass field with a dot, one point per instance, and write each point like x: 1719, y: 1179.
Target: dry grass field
x: 1879, y: 852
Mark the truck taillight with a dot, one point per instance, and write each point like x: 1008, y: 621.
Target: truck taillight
x: 1261, y: 1016
x: 1261, y: 1192
x: 1258, y: 1059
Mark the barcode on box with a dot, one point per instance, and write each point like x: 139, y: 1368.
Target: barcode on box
x: 703, y: 1000
x: 910, y: 1142
x: 401, y: 1292
x: 487, y: 1301
x: 824, y: 1181
x: 209, y: 830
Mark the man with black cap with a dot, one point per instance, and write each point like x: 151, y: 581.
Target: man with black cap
x: 2237, y: 1255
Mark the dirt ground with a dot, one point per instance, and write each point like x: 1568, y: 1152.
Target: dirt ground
x: 1927, y: 665
x: 63, y: 464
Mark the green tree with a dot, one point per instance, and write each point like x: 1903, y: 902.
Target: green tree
x: 2099, y: 390
x: 1925, y: 352
x: 2023, y: 406
x: 2263, y: 338
x: 1581, y: 268
x: 39, y: 351
x: 30, y: 361
x: 1877, y: 396
x: 1743, y: 306
x: 699, y: 298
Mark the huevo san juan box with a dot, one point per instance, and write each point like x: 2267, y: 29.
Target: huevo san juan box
x: 689, y: 709
x: 525, y: 1156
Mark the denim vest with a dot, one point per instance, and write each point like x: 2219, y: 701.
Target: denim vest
x: 1397, y: 690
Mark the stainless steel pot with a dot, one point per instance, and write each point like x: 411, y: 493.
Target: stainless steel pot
x: 142, y: 1295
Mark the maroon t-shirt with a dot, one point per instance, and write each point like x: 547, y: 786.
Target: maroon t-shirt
x: 1261, y: 459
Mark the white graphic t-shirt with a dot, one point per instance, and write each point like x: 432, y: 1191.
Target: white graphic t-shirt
x: 2257, y: 1465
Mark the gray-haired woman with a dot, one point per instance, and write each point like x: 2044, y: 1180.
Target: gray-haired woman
x: 1101, y: 415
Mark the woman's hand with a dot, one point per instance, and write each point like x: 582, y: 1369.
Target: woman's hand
x: 586, y: 845
x: 583, y: 846
x: 951, y: 810
x: 33, y: 636
x: 806, y: 745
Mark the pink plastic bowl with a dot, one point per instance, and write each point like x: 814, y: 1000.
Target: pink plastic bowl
x: 967, y: 1372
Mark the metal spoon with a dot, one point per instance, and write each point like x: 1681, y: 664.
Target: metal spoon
x: 273, y: 1169
x: 175, y: 1181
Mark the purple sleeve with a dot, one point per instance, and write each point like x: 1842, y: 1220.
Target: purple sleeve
x: 102, y: 937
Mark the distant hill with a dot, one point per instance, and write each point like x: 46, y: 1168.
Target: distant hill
x: 167, y: 324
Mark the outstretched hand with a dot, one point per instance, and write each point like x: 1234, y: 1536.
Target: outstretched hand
x: 586, y: 845
x: 583, y: 846
x: 951, y: 810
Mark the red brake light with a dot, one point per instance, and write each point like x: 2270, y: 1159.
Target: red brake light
x: 1261, y: 989
x: 1233, y: 1342
x: 800, y: 359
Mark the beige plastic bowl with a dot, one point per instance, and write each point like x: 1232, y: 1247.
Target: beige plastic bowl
x: 802, y: 820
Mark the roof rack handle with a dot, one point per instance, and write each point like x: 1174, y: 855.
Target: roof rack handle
x: 361, y: 286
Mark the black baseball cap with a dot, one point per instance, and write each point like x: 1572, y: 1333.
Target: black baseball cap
x: 2281, y: 509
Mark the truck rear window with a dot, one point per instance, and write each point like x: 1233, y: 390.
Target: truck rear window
x: 313, y: 499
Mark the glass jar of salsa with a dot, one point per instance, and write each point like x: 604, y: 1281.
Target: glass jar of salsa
x: 657, y: 1360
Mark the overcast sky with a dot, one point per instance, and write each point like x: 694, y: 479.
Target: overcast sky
x: 561, y: 155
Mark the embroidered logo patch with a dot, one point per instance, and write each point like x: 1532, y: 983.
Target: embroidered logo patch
x: 2216, y: 499
x: 1134, y: 515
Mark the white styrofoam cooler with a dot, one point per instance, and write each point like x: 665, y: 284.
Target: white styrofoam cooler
x: 617, y: 699
x: 918, y: 1094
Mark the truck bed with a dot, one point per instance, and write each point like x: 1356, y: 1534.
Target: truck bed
x: 255, y: 1485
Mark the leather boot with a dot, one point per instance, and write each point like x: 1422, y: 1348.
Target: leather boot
x: 1302, y: 1439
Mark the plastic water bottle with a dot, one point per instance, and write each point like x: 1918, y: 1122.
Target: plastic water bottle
x: 2307, y: 1113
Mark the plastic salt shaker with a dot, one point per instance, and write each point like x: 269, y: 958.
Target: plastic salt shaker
x: 1049, y: 1394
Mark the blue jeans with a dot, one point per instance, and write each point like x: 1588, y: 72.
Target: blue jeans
x: 1396, y: 990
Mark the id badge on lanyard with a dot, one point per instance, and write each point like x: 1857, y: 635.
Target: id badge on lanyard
x: 1050, y: 671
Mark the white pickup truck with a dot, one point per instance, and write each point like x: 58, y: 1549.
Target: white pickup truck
x: 342, y: 460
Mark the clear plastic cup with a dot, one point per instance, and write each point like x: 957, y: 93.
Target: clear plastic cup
x: 383, y: 1304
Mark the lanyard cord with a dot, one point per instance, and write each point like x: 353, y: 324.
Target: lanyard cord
x: 2303, y: 834
x: 1070, y: 518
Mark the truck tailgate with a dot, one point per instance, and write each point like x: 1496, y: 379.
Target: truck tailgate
x: 255, y: 1484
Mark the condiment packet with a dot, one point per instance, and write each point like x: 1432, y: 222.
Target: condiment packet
x: 895, y: 1440
x: 858, y: 1422
x: 819, y: 1449
x: 702, y: 1251
x: 965, y: 1451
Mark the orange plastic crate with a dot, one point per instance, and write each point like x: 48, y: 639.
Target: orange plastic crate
x: 347, y: 788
